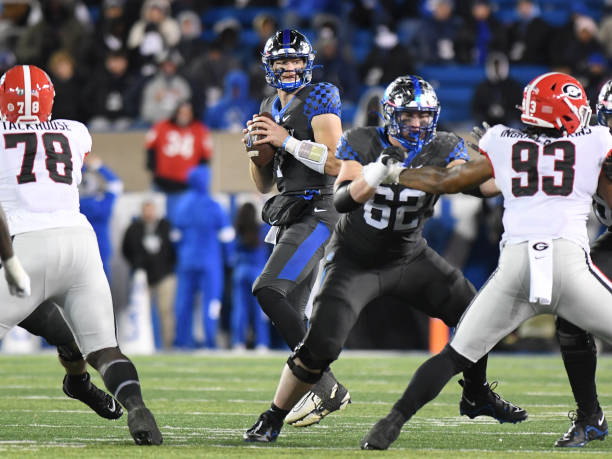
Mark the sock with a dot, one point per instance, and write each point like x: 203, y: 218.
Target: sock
x: 279, y: 413
x: 580, y: 367
x: 475, y: 377
x: 579, y: 355
x: 121, y: 380
x: 429, y: 380
x: 78, y: 382
x: 289, y: 322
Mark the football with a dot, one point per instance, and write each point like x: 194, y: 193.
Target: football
x: 262, y: 154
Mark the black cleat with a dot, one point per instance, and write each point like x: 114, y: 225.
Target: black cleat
x: 143, y: 427
x: 489, y: 403
x: 98, y: 400
x: 384, y: 432
x: 584, y: 429
x: 265, y: 430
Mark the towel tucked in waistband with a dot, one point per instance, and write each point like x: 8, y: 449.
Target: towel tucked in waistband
x: 541, y: 270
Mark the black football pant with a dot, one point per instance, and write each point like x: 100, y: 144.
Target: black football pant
x: 428, y: 283
x: 284, y: 285
x: 577, y: 346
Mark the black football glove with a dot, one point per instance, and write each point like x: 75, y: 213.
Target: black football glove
x: 392, y: 154
x: 477, y: 133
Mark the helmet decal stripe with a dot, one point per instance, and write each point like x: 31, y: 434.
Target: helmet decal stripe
x: 288, y: 44
x: 531, y: 87
x: 417, y: 90
x: 27, y: 87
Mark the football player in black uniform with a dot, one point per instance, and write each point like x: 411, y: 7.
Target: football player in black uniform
x: 578, y: 346
x: 377, y: 249
x: 305, y: 131
x: 46, y: 321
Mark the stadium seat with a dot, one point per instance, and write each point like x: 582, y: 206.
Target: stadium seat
x: 214, y: 15
x: 506, y: 15
x: 361, y: 43
x: 525, y: 73
x: 348, y: 113
x: 455, y: 75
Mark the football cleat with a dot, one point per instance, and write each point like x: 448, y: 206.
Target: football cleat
x: 489, y: 403
x: 143, y: 427
x: 265, y: 430
x: 98, y: 400
x: 318, y: 403
x: 584, y: 429
x: 384, y: 432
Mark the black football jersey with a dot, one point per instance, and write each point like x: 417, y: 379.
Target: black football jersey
x: 389, y: 225
x: 602, y: 210
x: 290, y: 174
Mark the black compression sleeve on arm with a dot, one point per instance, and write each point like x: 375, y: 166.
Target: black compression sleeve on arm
x: 343, y: 201
x: 475, y: 192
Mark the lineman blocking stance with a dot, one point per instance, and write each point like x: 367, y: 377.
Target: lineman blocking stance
x: 39, y: 174
x: 548, y: 173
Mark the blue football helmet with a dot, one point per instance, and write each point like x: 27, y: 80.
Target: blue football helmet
x: 604, y: 104
x: 288, y: 44
x: 410, y: 94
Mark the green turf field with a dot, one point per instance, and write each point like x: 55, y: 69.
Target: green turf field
x: 204, y: 402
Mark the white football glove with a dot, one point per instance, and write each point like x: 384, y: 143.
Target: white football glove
x: 18, y: 280
x: 393, y: 157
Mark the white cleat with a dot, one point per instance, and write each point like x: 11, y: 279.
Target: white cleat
x: 311, y: 408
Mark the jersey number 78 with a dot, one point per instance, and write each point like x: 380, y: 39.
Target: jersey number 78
x: 53, y: 157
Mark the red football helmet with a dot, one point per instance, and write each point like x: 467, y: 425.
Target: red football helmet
x: 26, y: 95
x: 555, y: 100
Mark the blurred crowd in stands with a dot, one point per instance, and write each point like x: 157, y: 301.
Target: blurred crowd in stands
x: 180, y: 68
x: 120, y: 64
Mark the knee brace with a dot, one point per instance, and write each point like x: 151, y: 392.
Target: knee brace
x: 572, y: 339
x: 309, y: 360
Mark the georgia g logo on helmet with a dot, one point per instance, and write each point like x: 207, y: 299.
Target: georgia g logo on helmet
x: 572, y: 91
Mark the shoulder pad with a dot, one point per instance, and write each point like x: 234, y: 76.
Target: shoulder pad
x: 359, y: 144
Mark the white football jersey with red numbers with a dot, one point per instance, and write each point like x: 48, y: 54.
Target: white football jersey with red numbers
x: 40, y: 169
x: 547, y: 182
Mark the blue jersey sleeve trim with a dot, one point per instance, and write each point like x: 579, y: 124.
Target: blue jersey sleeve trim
x: 459, y: 152
x: 323, y: 98
x: 344, y: 151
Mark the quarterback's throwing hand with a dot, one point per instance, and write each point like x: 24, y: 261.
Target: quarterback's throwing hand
x: 18, y: 280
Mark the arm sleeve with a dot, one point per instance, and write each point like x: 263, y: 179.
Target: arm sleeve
x: 459, y: 152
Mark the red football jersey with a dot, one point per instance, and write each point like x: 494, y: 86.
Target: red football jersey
x: 178, y: 148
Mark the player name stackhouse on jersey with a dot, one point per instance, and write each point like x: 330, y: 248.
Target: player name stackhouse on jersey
x: 50, y: 125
